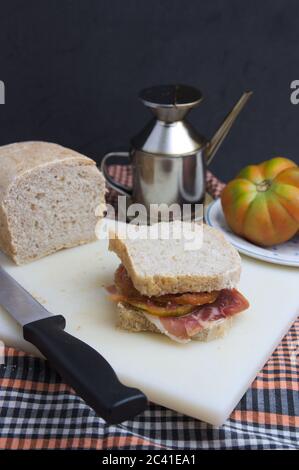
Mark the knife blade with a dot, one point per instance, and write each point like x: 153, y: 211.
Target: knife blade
x: 18, y: 302
x: 81, y: 366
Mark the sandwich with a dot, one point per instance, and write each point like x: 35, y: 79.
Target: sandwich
x: 185, y: 294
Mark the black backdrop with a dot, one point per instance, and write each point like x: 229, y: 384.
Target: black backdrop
x: 73, y: 68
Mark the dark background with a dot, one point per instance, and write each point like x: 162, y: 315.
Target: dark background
x: 73, y: 68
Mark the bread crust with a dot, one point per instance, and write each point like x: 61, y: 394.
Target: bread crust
x: 23, y: 157
x: 132, y: 319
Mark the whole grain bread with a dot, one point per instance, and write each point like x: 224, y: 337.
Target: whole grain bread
x: 48, y: 197
x: 132, y: 319
x: 163, y: 266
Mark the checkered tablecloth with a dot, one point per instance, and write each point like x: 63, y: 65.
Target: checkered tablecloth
x: 38, y: 411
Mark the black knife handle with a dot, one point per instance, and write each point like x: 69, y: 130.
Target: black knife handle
x: 84, y: 369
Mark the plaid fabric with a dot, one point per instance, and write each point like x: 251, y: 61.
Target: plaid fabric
x: 38, y: 411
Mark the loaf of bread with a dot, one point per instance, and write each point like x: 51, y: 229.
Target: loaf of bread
x: 48, y: 198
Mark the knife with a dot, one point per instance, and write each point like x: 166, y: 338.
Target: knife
x: 81, y: 366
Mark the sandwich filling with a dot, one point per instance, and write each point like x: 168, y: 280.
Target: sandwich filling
x: 180, y: 316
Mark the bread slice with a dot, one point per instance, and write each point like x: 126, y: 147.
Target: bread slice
x: 164, y: 266
x: 48, y: 198
x: 132, y: 319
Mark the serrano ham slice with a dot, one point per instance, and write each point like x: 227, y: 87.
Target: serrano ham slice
x: 183, y: 328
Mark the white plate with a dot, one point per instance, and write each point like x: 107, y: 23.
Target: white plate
x: 286, y: 253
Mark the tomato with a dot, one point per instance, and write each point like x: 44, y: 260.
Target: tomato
x: 262, y: 203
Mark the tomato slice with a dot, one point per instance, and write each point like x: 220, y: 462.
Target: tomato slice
x: 125, y: 286
x: 152, y: 307
x: 160, y: 310
x: 164, y: 305
x: 190, y: 298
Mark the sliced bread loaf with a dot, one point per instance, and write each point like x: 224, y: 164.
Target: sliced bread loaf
x: 164, y: 266
x: 48, y: 197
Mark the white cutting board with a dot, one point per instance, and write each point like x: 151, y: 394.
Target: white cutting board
x: 203, y: 380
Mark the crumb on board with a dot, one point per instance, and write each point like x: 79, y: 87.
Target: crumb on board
x: 39, y: 299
